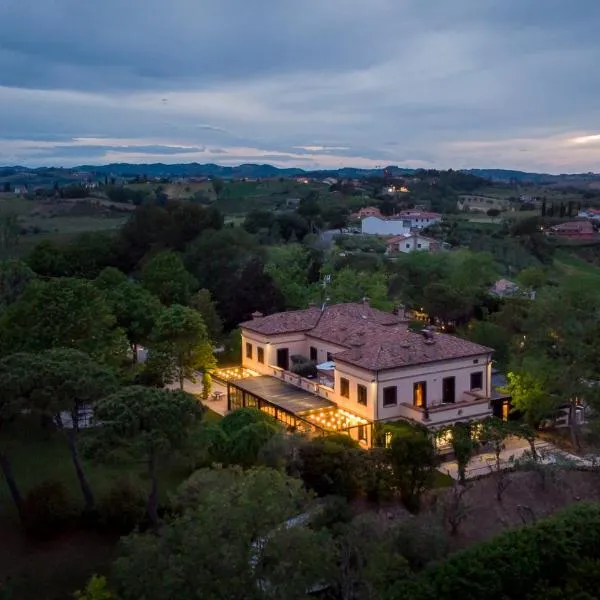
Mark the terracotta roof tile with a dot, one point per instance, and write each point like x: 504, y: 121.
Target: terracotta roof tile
x: 372, y: 339
x: 397, y: 348
x: 284, y: 322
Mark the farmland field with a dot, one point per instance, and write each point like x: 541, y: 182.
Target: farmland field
x: 59, y: 220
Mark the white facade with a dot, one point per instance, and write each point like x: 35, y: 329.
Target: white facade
x: 383, y: 226
x: 419, y: 219
x: 411, y: 243
x: 470, y: 378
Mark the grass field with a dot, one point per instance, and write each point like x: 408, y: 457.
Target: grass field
x: 59, y: 221
x: 568, y: 264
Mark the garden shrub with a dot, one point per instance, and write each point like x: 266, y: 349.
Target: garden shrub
x: 329, y: 467
x: 123, y: 508
x: 47, y: 510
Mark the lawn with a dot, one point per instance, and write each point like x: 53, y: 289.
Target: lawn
x: 39, y: 456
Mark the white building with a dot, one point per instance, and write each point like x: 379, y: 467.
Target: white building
x: 412, y: 242
x: 419, y: 219
x: 384, y: 226
x: 382, y: 371
x: 399, y: 224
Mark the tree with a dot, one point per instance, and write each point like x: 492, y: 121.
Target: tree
x: 463, y: 447
x: 9, y: 232
x: 239, y: 437
x: 14, y: 277
x: 56, y: 381
x: 493, y: 213
x: 258, y: 557
x: 14, y: 384
x: 252, y: 290
x: 181, y: 340
x: 348, y: 285
x: 529, y: 389
x: 88, y: 254
x: 217, y: 185
x: 289, y: 267
x: 494, y: 432
x: 151, y: 422
x: 62, y: 313
x: 48, y: 259
x: 561, y: 333
x: 533, y: 278
x: 167, y: 278
x: 136, y: 310
x: 202, y: 302
x: 413, y: 461
x: 332, y: 466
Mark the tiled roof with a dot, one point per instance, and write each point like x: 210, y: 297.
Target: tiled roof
x: 578, y: 226
x: 395, y: 348
x: 408, y: 214
x: 372, y: 339
x: 294, y: 321
x: 291, y: 321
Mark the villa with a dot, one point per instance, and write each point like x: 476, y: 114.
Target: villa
x: 346, y: 367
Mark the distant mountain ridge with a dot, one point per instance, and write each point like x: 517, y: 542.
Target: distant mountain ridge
x: 21, y: 175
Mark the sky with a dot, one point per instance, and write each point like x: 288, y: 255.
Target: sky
x: 305, y: 83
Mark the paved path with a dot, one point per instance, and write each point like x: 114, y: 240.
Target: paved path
x: 481, y: 464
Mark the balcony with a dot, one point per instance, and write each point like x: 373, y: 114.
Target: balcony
x: 471, y: 407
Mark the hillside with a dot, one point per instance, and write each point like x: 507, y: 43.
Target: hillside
x: 19, y: 175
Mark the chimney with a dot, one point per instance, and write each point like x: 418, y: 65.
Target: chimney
x: 428, y: 336
x: 257, y: 315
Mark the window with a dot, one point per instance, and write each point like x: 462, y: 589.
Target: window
x: 477, y: 380
x: 344, y: 387
x: 260, y: 355
x: 418, y: 245
x: 329, y: 357
x: 249, y: 350
x: 420, y: 394
x: 390, y: 396
x: 408, y: 245
x: 361, y: 394
x: 362, y: 433
x: 448, y: 390
x: 313, y: 354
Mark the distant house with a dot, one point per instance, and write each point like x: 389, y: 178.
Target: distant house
x: 504, y: 288
x: 576, y: 230
x: 292, y: 202
x: 419, y: 219
x: 367, y: 211
x: 329, y: 181
x: 589, y: 213
x: 384, y: 226
x: 20, y: 189
x: 412, y: 242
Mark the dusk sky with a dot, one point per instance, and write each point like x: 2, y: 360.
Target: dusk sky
x: 308, y: 83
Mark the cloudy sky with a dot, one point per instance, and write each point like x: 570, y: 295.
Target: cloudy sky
x: 328, y: 83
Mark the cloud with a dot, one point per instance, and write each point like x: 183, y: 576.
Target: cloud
x: 344, y: 82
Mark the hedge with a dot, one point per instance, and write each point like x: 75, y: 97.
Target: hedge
x: 515, y: 564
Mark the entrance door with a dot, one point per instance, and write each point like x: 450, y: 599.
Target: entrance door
x: 449, y: 390
x: 283, y: 358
